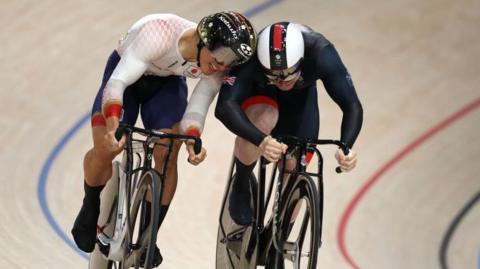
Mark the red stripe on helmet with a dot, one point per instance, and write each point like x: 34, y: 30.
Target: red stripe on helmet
x: 277, y: 37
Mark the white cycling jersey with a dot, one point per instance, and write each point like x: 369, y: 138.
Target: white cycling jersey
x: 150, y: 47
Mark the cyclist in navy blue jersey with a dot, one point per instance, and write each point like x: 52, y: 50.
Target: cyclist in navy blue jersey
x: 275, y: 94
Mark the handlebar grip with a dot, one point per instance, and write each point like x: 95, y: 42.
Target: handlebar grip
x: 346, y: 151
x: 197, y: 147
x: 119, y: 132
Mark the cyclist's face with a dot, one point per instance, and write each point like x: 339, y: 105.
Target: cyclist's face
x: 286, y: 85
x: 284, y: 79
x: 215, y: 61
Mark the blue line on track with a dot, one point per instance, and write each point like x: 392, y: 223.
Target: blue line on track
x: 43, y: 178
x: 479, y: 259
x: 42, y: 183
x: 262, y: 7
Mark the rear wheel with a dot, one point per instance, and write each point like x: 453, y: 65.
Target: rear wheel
x: 299, y: 228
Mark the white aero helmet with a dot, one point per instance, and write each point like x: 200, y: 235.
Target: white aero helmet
x: 280, y: 50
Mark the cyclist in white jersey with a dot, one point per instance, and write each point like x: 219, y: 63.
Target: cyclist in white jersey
x: 146, y: 74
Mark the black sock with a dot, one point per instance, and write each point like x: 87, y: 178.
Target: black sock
x: 163, y: 213
x: 240, y: 207
x: 92, y: 194
x: 243, y: 172
x: 161, y: 216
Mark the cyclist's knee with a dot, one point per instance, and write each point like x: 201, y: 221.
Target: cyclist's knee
x: 97, y: 168
x: 160, y: 152
x: 98, y: 157
x: 263, y: 116
x: 290, y: 163
x: 100, y: 152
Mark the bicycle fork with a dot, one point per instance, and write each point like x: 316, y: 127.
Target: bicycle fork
x: 112, y: 248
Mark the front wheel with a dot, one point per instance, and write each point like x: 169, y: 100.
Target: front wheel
x: 298, y: 229
x: 142, y: 231
x: 229, y: 238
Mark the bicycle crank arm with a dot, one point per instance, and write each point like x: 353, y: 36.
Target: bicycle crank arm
x: 103, y: 242
x: 291, y: 251
x: 112, y: 249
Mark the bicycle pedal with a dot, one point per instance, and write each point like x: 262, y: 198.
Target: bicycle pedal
x: 134, y: 246
x: 103, y: 242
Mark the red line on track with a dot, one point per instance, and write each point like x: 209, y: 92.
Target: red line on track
x: 391, y: 163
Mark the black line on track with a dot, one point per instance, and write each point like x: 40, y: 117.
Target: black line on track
x: 452, y: 228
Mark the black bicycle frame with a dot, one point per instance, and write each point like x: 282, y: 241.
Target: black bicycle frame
x: 299, y: 147
x: 149, y: 145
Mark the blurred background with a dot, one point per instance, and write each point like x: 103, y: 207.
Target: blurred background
x: 412, y: 201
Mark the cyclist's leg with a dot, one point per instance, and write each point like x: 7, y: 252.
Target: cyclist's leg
x: 299, y: 116
x: 162, y: 111
x: 262, y: 112
x: 97, y: 167
x: 172, y: 171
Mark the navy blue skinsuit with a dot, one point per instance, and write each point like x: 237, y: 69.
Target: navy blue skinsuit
x: 298, y: 108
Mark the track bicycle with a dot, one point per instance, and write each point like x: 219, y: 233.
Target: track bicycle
x: 290, y: 236
x: 126, y: 232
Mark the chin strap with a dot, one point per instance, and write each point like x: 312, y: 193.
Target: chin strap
x: 200, y: 45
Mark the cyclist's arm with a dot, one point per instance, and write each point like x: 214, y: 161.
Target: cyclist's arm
x: 149, y: 43
x: 193, y: 120
x: 339, y: 85
x: 228, y: 109
x: 129, y: 69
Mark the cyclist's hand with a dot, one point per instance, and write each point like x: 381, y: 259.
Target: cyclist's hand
x: 347, y: 163
x: 193, y: 158
x: 271, y: 149
x: 111, y: 144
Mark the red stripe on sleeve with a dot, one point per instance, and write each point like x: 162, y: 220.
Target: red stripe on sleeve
x: 113, y: 110
x: 98, y: 120
x: 193, y: 132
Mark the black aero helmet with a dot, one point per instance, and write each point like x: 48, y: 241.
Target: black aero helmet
x: 228, y: 30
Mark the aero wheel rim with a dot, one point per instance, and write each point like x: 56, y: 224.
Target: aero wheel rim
x: 141, y: 234
x: 299, y: 227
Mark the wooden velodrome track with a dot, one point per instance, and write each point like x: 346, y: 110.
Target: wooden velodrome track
x: 411, y: 202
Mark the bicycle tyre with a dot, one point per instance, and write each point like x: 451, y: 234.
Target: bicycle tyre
x: 304, y: 189
x: 146, y: 239
x: 224, y: 257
